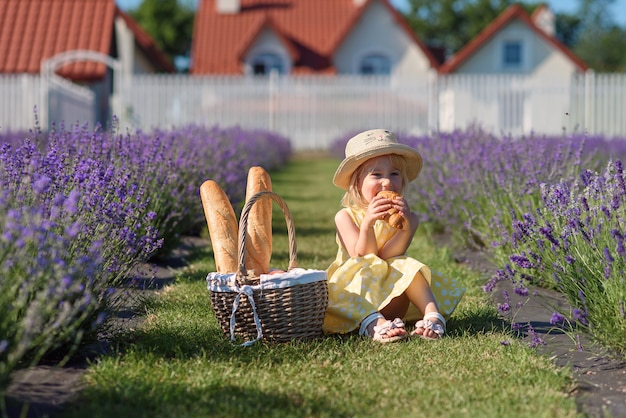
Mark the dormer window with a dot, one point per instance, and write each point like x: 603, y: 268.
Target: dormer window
x: 263, y: 64
x: 375, y: 64
x: 512, y: 54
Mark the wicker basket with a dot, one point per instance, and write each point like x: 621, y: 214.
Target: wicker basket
x: 278, y: 307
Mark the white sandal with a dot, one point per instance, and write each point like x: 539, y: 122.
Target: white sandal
x: 426, y: 323
x: 380, y: 331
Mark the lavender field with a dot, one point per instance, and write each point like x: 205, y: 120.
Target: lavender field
x: 549, y: 210
x: 80, y: 209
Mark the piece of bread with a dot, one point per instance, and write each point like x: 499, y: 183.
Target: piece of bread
x: 222, y: 224
x: 259, y: 233
x: 393, y: 217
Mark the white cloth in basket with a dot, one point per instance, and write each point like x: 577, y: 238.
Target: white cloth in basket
x: 227, y: 282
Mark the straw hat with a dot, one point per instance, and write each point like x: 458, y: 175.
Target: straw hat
x: 370, y: 144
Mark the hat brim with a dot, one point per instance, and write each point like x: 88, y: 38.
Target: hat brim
x: 350, y: 164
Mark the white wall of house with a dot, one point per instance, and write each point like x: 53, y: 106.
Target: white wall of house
x: 132, y: 59
x: 538, y: 57
x: 376, y: 32
x: 125, y: 46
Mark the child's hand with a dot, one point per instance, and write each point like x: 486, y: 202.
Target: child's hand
x: 377, y: 209
x: 397, y: 213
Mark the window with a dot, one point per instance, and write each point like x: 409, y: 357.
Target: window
x: 263, y: 64
x: 512, y: 54
x: 375, y: 64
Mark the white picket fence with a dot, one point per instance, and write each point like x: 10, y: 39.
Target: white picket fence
x: 314, y: 110
x: 20, y: 97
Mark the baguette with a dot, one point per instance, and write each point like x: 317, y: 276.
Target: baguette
x: 393, y: 217
x: 222, y: 224
x: 259, y: 233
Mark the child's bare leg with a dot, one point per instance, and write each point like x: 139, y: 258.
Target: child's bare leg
x: 420, y: 295
x: 397, y: 308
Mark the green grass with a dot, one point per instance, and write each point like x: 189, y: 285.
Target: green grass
x: 179, y: 364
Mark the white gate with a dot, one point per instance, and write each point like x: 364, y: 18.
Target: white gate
x: 63, y: 100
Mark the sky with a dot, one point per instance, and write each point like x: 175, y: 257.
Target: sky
x: 568, y: 6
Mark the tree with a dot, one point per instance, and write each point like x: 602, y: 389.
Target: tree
x: 591, y: 32
x: 452, y: 23
x: 600, y: 42
x: 169, y: 23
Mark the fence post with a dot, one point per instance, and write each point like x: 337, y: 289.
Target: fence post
x: 589, y: 105
x: 273, y: 82
x: 433, y: 101
x: 44, y: 94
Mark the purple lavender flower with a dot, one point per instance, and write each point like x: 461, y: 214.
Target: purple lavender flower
x: 41, y: 185
x: 620, y: 246
x: 521, y: 260
x: 546, y: 231
x: 579, y: 315
x: 606, y: 211
x: 499, y: 275
x: 504, y: 308
x: 584, y: 203
x: 535, y: 339
x: 521, y: 290
x: 586, y: 176
x: 557, y: 319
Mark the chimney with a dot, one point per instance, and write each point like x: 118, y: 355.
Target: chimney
x: 228, y: 6
x: 545, y: 20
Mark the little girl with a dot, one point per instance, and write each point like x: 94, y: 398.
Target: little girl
x: 372, y: 283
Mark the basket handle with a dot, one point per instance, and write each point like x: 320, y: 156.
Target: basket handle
x: 243, y: 228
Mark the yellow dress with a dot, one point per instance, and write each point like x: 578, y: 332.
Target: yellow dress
x: 360, y: 286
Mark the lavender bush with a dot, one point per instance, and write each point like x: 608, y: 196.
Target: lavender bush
x: 71, y: 227
x: 467, y: 170
x: 575, y: 242
x: 175, y: 164
x: 80, y: 209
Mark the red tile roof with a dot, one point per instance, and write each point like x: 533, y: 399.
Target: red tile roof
x: 34, y: 30
x: 313, y: 29
x: 513, y: 12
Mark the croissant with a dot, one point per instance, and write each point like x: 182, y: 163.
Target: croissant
x: 393, y: 217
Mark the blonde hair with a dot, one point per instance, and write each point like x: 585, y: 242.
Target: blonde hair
x: 353, y: 198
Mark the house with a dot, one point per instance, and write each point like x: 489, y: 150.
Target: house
x: 514, y: 77
x: 34, y: 31
x: 516, y: 43
x: 255, y: 37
